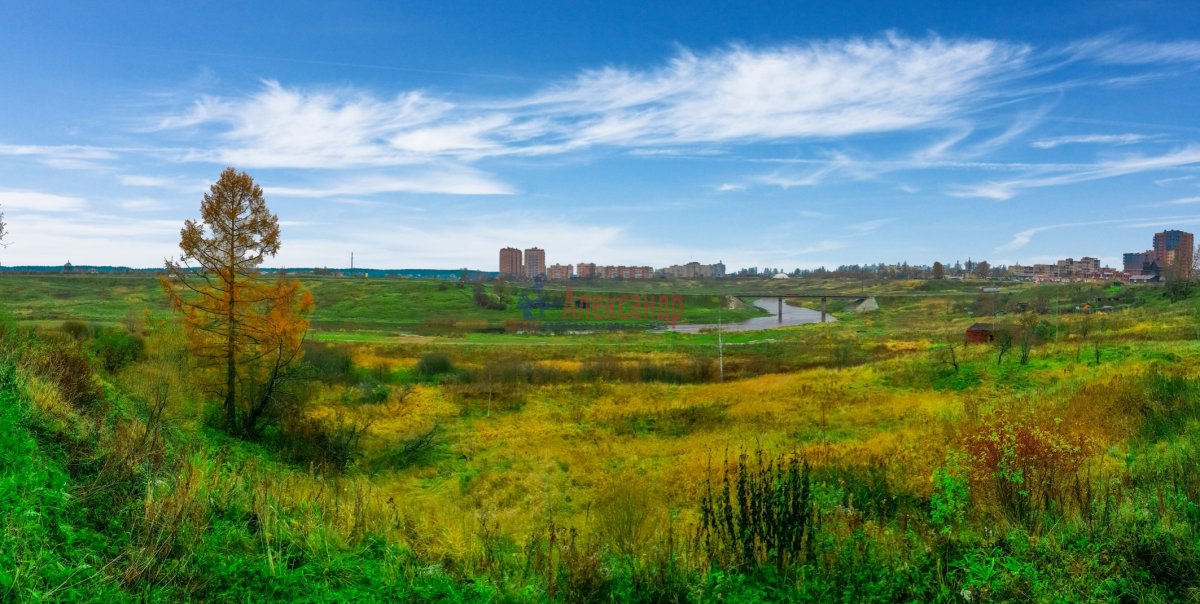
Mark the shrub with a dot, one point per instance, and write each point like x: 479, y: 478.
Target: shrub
x: 867, y: 489
x: 78, y: 330
x: 487, y: 398
x: 606, y: 368
x: 1170, y: 400
x: 409, y: 451
x: 116, y: 348
x: 519, y: 371
x: 571, y: 568
x: 330, y: 363
x: 434, y: 364
x: 951, y: 493
x: 1025, y: 465
x: 623, y: 515
x: 327, y: 444
x: 65, y: 366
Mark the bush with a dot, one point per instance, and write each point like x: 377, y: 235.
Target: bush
x: 330, y: 363
x: 116, y: 348
x: 1170, y: 400
x: 951, y: 494
x: 487, y: 398
x: 1026, y: 466
x: 327, y: 444
x: 408, y: 452
x: 434, y: 364
x: 64, y: 365
x: 78, y: 330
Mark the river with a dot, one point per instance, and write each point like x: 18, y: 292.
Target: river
x: 792, y: 315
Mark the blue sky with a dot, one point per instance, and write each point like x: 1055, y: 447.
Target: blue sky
x: 431, y: 134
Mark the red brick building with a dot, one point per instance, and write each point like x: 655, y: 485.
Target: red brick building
x: 510, y: 263
x: 535, y: 262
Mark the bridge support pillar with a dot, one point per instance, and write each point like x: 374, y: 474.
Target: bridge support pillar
x: 822, y: 309
x: 781, y: 310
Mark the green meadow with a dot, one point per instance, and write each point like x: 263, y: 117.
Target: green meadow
x: 435, y: 453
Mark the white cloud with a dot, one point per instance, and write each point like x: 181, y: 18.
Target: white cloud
x: 820, y: 246
x: 1117, y: 51
x: 869, y: 225
x: 1112, y: 139
x: 131, y: 180
x: 737, y: 94
x: 62, y: 157
x: 281, y: 127
x: 1162, y: 182
x: 73, y: 152
x: 1023, y: 238
x: 450, y: 182
x: 729, y: 187
x: 143, y: 205
x: 41, y: 202
x: 93, y: 239
x: 839, y: 163
x: 834, y: 88
x: 1006, y: 189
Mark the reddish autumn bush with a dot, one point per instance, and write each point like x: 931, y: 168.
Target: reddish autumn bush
x: 1026, y: 465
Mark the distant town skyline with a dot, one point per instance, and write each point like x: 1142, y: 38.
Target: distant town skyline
x: 775, y: 134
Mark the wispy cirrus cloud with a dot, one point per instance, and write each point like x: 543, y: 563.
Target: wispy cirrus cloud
x: 737, y: 94
x: 1006, y: 189
x: 1116, y: 50
x: 1023, y: 238
x: 836, y: 88
x: 1162, y: 182
x: 444, y: 181
x: 281, y: 127
x: 1089, y: 139
x: 143, y: 205
x: 65, y: 157
x: 82, y: 152
x: 41, y: 202
x: 869, y: 225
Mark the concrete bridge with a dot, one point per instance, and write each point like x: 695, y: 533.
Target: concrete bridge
x: 824, y: 298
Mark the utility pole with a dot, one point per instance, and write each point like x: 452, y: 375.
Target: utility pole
x: 720, y: 347
x: 1056, y: 319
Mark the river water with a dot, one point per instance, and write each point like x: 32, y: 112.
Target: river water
x: 792, y: 315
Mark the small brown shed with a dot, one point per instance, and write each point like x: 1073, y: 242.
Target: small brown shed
x: 980, y: 333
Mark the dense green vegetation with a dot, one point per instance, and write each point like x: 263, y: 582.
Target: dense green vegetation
x: 872, y: 459
x: 348, y: 309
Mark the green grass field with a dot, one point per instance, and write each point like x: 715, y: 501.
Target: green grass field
x: 423, y: 463
x: 348, y: 309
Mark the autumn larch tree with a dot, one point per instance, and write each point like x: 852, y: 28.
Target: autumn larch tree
x: 245, y: 333
x: 939, y: 271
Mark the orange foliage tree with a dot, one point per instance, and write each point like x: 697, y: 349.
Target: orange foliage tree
x: 245, y: 333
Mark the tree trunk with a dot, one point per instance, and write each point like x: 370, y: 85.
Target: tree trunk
x: 231, y: 338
